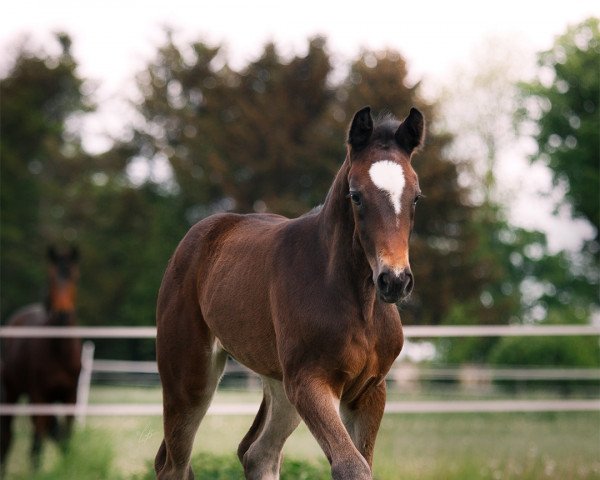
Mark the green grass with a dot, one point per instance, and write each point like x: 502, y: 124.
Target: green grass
x: 89, y: 456
x: 490, y: 446
x: 425, y: 446
x: 227, y: 467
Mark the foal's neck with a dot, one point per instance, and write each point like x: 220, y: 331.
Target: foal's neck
x: 345, y: 255
x: 336, y: 224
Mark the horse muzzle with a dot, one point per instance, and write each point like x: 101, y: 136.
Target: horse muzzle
x: 61, y: 318
x: 394, y: 286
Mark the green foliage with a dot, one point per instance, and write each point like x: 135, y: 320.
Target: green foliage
x: 568, y: 116
x: 52, y: 192
x: 38, y: 95
x: 441, y: 238
x: 546, y: 351
x: 268, y: 136
x: 239, y: 140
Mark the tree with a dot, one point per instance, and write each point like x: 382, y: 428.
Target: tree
x: 39, y: 94
x: 564, y: 106
x: 448, y: 269
x: 237, y: 140
x: 271, y: 136
x: 265, y: 137
x: 53, y: 192
x: 534, y: 284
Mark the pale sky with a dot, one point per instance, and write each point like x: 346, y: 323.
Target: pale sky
x: 114, y: 39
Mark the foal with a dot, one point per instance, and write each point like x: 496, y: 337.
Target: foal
x: 306, y: 303
x: 46, y: 370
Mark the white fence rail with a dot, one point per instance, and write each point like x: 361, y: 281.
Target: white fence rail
x: 409, y: 331
x: 82, y: 408
x: 78, y: 332
x: 423, y: 373
x: 427, y: 406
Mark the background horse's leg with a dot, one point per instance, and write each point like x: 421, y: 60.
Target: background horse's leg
x: 362, y: 419
x: 54, y: 428
x: 62, y: 432
x: 190, y: 364
x: 7, y: 396
x: 5, y: 440
x: 317, y: 405
x: 262, y: 458
x: 41, y: 427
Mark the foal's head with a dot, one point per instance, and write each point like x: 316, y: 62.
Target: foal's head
x: 384, y: 190
x: 63, y: 273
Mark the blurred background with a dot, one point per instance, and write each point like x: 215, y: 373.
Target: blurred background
x: 123, y: 125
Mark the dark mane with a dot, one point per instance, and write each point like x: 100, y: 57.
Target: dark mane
x: 313, y: 211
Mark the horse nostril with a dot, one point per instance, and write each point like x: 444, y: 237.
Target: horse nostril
x: 393, y: 286
x: 407, y: 282
x: 383, y: 282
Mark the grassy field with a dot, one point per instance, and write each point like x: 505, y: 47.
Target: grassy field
x: 433, y: 446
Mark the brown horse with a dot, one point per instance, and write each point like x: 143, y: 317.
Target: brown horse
x: 46, y: 370
x: 306, y: 303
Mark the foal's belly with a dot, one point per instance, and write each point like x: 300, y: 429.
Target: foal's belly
x: 247, y: 337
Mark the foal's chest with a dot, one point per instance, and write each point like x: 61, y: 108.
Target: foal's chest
x: 372, y: 352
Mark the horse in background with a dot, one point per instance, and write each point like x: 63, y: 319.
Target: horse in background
x: 46, y: 370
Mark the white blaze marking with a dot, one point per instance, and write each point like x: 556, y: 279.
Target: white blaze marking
x: 389, y: 177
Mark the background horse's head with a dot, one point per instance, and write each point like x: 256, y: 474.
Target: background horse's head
x: 383, y: 190
x: 63, y: 273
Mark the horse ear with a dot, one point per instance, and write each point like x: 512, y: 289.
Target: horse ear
x: 411, y: 132
x: 361, y: 128
x: 52, y: 254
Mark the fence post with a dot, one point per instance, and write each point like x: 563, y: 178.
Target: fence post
x: 85, y: 380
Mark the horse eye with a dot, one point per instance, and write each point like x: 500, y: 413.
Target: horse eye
x: 355, y: 197
x: 417, y: 198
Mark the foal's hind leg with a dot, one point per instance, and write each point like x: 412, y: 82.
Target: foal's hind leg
x: 190, y: 365
x: 254, y: 432
x: 275, y: 422
x: 362, y: 419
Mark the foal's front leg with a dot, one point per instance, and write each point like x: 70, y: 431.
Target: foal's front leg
x: 317, y: 405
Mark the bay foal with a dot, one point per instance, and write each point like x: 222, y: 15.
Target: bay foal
x: 306, y: 303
